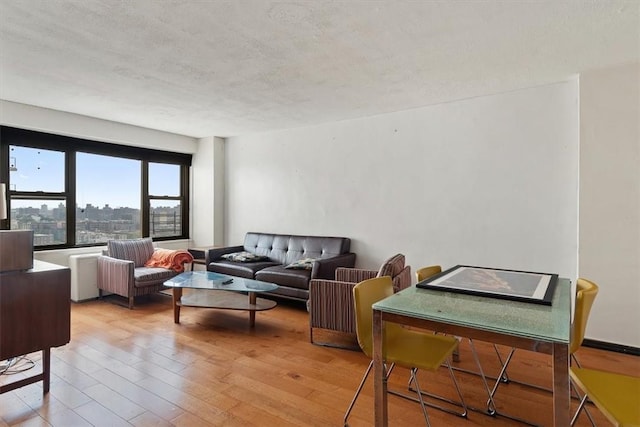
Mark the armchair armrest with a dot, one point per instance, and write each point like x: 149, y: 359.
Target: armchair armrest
x: 215, y: 254
x: 324, y: 268
x: 354, y: 275
x: 331, y: 305
x: 115, y: 275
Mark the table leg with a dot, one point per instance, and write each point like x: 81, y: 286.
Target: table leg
x: 177, y: 294
x: 561, y: 393
x: 46, y: 370
x: 379, y: 374
x: 252, y: 313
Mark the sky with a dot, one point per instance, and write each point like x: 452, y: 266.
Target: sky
x: 100, y: 179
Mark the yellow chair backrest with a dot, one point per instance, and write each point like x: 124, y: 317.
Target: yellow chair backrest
x: 586, y: 292
x: 426, y: 272
x: 365, y: 294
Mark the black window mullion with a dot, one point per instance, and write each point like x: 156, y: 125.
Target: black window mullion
x: 184, y: 202
x: 70, y: 185
x: 146, y: 202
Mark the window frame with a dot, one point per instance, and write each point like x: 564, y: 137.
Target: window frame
x: 70, y: 146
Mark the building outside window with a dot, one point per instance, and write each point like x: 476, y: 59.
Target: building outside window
x: 107, y: 209
x: 38, y: 196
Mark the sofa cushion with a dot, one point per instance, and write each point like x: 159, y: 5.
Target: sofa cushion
x: 244, y: 256
x: 240, y: 269
x: 136, y: 250
x: 302, y: 264
x: 144, y: 276
x: 285, y: 277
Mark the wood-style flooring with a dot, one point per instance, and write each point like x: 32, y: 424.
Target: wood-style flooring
x: 136, y: 367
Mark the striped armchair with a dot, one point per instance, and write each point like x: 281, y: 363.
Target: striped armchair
x: 331, y: 301
x: 122, y: 270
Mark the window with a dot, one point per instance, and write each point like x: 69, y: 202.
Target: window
x: 75, y: 192
x: 38, y: 194
x: 108, y: 196
x: 165, y: 211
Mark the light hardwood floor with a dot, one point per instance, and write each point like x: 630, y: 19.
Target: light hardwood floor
x: 138, y: 368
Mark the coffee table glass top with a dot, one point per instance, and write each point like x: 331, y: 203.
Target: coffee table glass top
x: 211, y: 280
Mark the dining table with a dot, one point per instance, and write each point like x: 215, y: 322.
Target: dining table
x: 523, y: 325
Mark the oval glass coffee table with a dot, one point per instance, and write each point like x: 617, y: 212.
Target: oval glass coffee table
x: 227, y: 293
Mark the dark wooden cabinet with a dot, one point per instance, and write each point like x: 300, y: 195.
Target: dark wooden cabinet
x: 35, y: 314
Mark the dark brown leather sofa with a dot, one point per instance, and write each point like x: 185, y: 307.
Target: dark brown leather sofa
x: 328, y: 253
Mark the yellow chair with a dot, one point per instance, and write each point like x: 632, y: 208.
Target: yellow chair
x: 423, y: 274
x: 616, y: 395
x: 403, y: 347
x: 586, y: 292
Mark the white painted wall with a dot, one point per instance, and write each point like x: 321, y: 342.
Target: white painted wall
x: 68, y: 124
x: 610, y: 200
x: 207, y: 195
x: 489, y: 181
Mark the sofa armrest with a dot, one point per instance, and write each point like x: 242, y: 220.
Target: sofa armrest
x: 324, y: 268
x: 331, y: 305
x: 115, y: 275
x: 354, y: 275
x: 215, y: 254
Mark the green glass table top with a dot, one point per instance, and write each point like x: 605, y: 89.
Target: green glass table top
x: 521, y: 319
x: 211, y: 280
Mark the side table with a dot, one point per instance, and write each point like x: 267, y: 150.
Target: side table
x: 200, y: 255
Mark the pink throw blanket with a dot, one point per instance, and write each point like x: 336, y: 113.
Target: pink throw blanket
x: 167, y: 258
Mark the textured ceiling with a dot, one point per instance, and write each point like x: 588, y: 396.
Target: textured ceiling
x: 203, y: 68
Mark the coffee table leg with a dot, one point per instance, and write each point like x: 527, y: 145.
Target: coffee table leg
x: 252, y: 313
x: 177, y: 294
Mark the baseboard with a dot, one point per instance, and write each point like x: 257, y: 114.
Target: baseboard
x: 618, y: 348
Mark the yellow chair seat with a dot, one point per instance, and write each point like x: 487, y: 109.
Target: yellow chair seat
x: 616, y: 395
x: 413, y: 349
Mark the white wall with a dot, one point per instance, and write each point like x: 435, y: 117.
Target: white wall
x: 610, y: 200
x: 489, y: 181
x: 68, y: 124
x: 207, y: 195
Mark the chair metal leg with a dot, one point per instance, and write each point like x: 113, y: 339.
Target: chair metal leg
x: 414, y: 378
x: 502, y: 377
x: 491, y: 406
x: 358, y: 390
x: 583, y: 399
x: 461, y: 404
x: 364, y: 379
x: 575, y: 416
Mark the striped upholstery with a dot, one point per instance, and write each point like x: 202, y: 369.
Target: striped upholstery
x: 331, y: 301
x: 392, y: 267
x: 323, y: 315
x: 354, y: 275
x: 137, y: 250
x: 123, y: 273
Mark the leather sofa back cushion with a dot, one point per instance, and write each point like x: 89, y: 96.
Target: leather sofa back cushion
x: 286, y: 249
x: 136, y: 250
